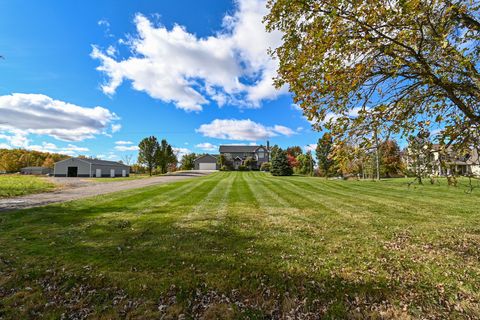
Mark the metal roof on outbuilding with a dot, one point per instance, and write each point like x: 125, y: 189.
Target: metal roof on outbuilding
x: 98, y: 162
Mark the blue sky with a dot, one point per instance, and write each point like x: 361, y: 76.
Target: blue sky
x: 95, y: 77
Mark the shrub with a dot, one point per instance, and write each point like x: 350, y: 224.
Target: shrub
x: 224, y: 168
x: 242, y: 168
x: 266, y: 166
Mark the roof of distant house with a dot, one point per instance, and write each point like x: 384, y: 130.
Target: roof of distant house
x: 239, y: 148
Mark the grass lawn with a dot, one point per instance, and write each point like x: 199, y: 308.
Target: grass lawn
x: 18, y: 185
x: 250, y: 246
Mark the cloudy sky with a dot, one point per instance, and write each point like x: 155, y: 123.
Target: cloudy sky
x: 95, y: 77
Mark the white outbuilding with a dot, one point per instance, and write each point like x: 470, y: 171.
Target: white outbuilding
x: 83, y: 167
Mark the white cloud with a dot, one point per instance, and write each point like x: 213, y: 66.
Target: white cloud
x: 121, y: 142
x: 109, y: 156
x: 310, y: 147
x: 116, y: 127
x: 173, y: 65
x: 70, y: 149
x: 180, y: 152
x: 207, y: 146
x: 39, y: 114
x: 5, y: 146
x: 126, y: 148
x: 232, y: 129
x: 284, y: 130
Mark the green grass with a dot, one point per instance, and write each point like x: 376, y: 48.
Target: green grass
x: 247, y: 245
x: 18, y: 185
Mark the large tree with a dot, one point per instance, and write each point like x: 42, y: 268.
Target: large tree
x: 390, y: 158
x: 148, y: 153
x: 294, y: 151
x: 324, y: 154
x: 372, y: 65
x: 165, y: 156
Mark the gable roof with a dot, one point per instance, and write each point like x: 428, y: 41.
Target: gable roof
x: 206, y: 155
x: 239, y: 148
x: 97, y: 162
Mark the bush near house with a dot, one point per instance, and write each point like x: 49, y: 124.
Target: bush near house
x: 266, y: 166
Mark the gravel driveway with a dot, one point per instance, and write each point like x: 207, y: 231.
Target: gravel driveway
x: 78, y: 188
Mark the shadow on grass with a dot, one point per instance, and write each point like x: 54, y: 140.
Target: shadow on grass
x: 134, y: 251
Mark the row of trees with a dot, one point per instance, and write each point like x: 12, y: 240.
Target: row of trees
x: 154, y: 155
x: 339, y: 158
x: 15, y: 159
x: 345, y: 158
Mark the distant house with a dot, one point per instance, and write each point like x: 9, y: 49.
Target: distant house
x: 235, y: 156
x: 452, y: 162
x: 36, y: 170
x: 83, y: 167
x: 449, y: 161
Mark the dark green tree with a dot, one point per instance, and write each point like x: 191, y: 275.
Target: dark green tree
x: 148, y: 153
x: 280, y: 165
x: 165, y: 156
x: 324, y: 154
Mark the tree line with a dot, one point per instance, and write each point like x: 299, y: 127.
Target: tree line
x: 15, y: 159
x: 338, y: 159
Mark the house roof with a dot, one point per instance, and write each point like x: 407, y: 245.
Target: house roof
x: 98, y: 162
x: 239, y: 148
x: 206, y: 155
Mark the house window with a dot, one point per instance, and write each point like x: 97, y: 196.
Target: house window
x: 261, y: 154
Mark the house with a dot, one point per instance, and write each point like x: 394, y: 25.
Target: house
x: 36, y: 170
x: 237, y: 155
x: 83, y: 167
x: 206, y: 162
x: 452, y: 162
x: 448, y: 162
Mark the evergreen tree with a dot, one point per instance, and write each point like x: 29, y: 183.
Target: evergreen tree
x: 280, y: 165
x: 165, y: 156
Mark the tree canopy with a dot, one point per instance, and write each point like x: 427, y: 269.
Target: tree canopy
x: 402, y: 66
x: 148, y: 152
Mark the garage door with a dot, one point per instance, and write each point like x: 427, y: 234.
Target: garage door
x: 207, y: 166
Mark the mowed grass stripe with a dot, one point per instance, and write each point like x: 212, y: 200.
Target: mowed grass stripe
x: 203, y: 209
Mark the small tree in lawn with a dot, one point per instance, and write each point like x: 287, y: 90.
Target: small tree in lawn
x: 148, y: 153
x: 280, y: 165
x: 324, y: 152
